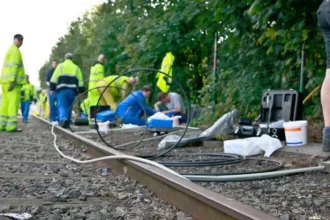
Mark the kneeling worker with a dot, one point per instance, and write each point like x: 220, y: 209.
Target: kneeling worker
x: 117, y: 90
x: 84, y: 106
x: 131, y: 109
x: 174, y: 104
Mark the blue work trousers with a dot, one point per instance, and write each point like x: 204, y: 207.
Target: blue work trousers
x: 53, y: 106
x: 25, y: 108
x: 65, y: 99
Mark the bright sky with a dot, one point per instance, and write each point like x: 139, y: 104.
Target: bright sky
x: 41, y: 22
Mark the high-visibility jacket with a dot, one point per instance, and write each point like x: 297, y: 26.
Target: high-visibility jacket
x: 97, y: 74
x: 85, y: 105
x: 115, y: 86
x: 42, y: 99
x: 28, y: 92
x: 13, y: 69
x: 164, y: 80
x: 67, y: 75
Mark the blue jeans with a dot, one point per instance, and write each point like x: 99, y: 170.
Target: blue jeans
x: 323, y: 16
x: 65, y: 99
x: 53, y: 106
x: 25, y: 108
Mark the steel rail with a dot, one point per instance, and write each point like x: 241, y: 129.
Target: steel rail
x: 187, y: 196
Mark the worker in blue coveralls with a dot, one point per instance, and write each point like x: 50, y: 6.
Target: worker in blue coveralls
x: 67, y: 80
x: 53, y: 105
x: 130, y: 110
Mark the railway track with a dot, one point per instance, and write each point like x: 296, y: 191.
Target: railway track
x: 34, y: 179
x: 191, y: 198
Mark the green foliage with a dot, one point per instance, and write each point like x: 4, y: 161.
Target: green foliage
x: 259, y: 46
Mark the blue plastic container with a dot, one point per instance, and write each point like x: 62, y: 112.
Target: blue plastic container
x: 82, y: 115
x: 158, y: 123
x: 106, y: 116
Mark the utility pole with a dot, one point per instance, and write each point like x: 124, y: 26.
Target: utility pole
x: 302, y: 68
x: 215, y: 58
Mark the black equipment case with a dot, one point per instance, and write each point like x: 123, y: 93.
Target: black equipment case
x: 275, y: 105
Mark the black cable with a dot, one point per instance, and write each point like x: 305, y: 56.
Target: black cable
x: 279, y: 166
x: 220, y: 159
x: 97, y: 107
x: 173, y: 81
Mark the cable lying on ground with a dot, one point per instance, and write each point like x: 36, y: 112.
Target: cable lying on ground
x: 117, y: 157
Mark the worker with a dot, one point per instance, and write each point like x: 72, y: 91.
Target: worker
x: 164, y: 81
x: 67, y: 80
x: 28, y: 94
x: 117, y: 91
x: 84, y: 106
x: 131, y: 110
x: 324, y: 24
x: 52, y: 99
x: 12, y: 79
x: 96, y: 74
x: 42, y: 103
x: 174, y: 104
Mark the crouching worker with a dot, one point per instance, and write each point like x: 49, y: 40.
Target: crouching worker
x: 42, y: 103
x: 117, y: 91
x: 67, y: 81
x: 174, y: 104
x: 131, y: 109
x: 84, y: 106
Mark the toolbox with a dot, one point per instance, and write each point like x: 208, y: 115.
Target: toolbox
x: 106, y: 116
x: 159, y: 123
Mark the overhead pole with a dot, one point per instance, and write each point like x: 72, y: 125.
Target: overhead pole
x: 215, y: 58
x: 302, y: 69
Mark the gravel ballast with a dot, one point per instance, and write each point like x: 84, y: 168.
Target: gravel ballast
x: 303, y: 196
x: 34, y: 179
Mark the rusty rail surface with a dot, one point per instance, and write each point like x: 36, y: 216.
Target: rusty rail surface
x: 193, y: 199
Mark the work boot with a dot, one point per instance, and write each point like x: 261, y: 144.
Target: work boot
x: 65, y: 124
x: 326, y: 139
x: 16, y: 130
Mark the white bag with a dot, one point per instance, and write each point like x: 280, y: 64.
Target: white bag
x: 252, y: 146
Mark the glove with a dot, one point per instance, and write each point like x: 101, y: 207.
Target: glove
x: 12, y: 86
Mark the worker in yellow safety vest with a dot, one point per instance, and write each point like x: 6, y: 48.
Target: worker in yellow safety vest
x: 67, y: 80
x: 42, y: 103
x: 84, y: 106
x: 28, y: 94
x: 117, y: 91
x: 164, y: 81
x: 12, y: 79
x: 96, y: 74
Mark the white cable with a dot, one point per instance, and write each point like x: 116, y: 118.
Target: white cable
x: 117, y: 157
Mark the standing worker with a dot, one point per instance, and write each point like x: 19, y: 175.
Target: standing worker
x: 117, y: 91
x: 12, y: 79
x: 324, y: 24
x: 42, y: 103
x: 131, y: 109
x: 96, y: 74
x: 53, y: 105
x: 164, y: 82
x: 28, y: 94
x: 67, y: 80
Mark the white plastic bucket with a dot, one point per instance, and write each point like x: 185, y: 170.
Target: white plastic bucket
x: 296, y: 133
x: 103, y: 127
